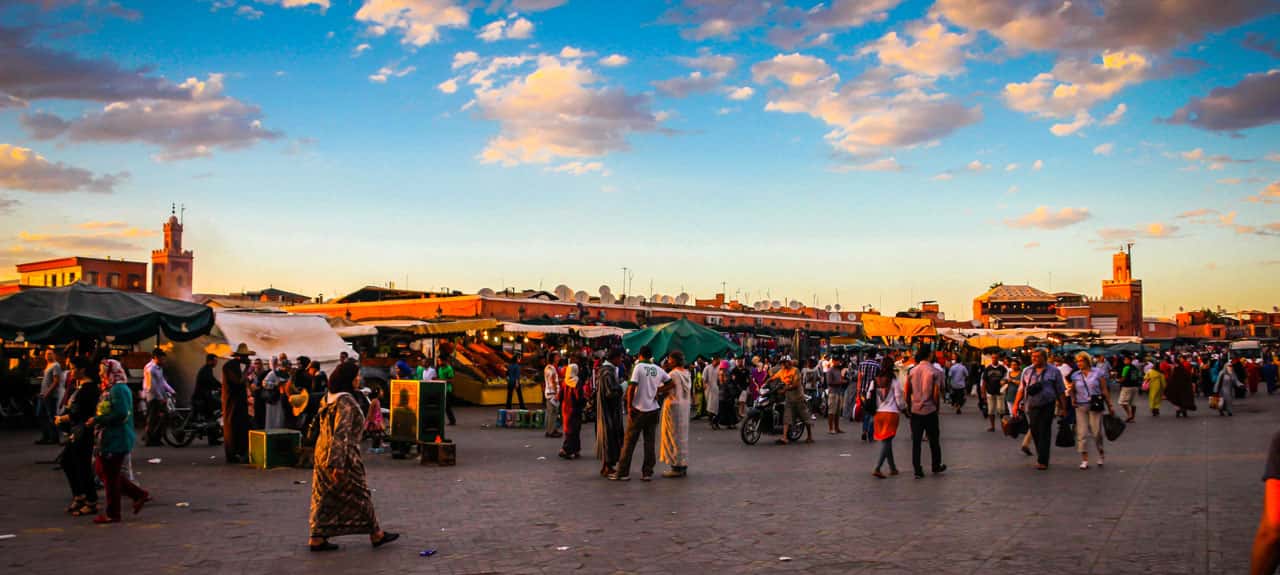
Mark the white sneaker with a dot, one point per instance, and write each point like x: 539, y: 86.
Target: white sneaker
x: 1101, y: 460
x: 1084, y: 465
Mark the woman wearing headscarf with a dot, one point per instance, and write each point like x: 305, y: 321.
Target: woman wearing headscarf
x: 609, y: 413
x: 1225, y: 388
x: 274, y: 386
x: 1155, y: 382
x: 77, y: 456
x: 1181, y: 390
x: 678, y: 392
x: 114, y: 420
x: 573, y: 401
x: 340, y: 499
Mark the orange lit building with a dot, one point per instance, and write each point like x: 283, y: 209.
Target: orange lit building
x: 171, y: 267
x: 118, y: 274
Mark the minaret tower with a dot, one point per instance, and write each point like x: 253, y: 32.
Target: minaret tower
x: 171, y: 267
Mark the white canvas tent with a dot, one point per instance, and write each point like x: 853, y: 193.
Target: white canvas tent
x: 267, y: 334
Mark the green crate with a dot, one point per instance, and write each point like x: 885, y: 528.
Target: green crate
x: 274, y: 448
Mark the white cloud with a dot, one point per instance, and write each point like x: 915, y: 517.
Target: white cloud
x: 943, y: 177
x: 571, y: 53
x: 183, y: 129
x: 248, y: 12
x: 1011, y: 167
x: 418, y: 22
x: 1152, y: 231
x: 1114, y: 117
x: 513, y: 28
x: 682, y: 86
x: 579, y: 168
x: 1268, y: 195
x: 1074, y: 86
x: 1037, y: 165
x: 1103, y: 149
x: 24, y: 170
x: 448, y: 86
x: 741, y: 93
x: 881, y: 165
x: 614, y: 61
x: 932, y: 51
x: 977, y: 166
x: 715, y: 64
x: 818, y: 23
x: 1045, y: 218
x: 464, y: 59
x: 559, y: 110
x: 323, y: 5
x: 390, y: 71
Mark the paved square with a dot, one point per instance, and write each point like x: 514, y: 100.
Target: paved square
x: 1176, y: 496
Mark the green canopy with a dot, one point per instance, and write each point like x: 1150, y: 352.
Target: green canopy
x: 63, y: 314
x: 684, y: 335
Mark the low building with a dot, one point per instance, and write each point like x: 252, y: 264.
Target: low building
x: 118, y: 274
x: 1017, y: 306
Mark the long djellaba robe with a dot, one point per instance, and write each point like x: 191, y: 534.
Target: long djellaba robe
x: 609, y: 414
x: 675, y: 421
x: 235, y: 413
x: 1180, y: 391
x: 340, y: 500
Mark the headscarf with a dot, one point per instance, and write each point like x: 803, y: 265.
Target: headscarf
x: 115, y: 372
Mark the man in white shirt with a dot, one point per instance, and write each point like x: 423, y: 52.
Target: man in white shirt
x: 156, y: 391
x: 551, y: 390
x: 642, y: 419
x: 711, y: 385
x: 50, y: 398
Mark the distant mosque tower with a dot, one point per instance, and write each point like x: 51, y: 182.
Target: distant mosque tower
x: 171, y: 267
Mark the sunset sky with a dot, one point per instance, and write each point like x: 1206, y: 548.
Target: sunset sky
x: 889, y: 151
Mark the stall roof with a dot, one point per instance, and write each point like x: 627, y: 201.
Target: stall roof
x: 272, y: 334
x: 881, y: 326
x: 586, y: 331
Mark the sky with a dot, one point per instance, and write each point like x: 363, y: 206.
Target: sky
x: 868, y: 152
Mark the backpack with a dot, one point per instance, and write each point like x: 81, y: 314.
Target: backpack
x: 993, y: 379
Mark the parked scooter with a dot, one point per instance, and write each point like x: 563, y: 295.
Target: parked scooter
x: 765, y: 416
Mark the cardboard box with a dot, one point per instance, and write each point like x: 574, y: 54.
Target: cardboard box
x: 274, y: 448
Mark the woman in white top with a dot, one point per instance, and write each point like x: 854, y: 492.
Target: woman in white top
x: 675, y: 416
x: 1089, y: 382
x: 887, y: 395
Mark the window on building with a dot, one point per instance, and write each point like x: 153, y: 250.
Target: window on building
x: 91, y: 277
x: 157, y: 281
x: 71, y: 277
x: 113, y: 280
x: 54, y: 278
x: 182, y: 281
x: 135, y: 281
x: 715, y: 320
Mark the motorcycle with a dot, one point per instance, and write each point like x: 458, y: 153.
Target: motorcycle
x: 183, y: 425
x: 765, y: 416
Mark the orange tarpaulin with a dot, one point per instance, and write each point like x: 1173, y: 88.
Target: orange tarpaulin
x: 881, y: 326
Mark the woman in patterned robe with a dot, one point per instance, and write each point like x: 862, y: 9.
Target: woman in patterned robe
x: 340, y: 500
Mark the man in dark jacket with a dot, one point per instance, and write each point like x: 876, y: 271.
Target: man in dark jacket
x: 206, y: 382
x: 235, y: 406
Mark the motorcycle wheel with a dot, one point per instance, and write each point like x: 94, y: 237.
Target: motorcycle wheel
x: 796, y: 431
x: 751, y: 430
x: 176, y: 433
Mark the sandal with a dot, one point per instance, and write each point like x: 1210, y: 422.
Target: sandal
x: 87, y: 509
x: 76, y: 503
x: 137, y: 505
x: 326, y: 546
x: 387, y: 537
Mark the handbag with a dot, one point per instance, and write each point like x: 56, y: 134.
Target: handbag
x: 1112, y: 426
x: 1066, y: 434
x: 1014, y: 426
x: 1215, y: 401
x: 1096, y: 404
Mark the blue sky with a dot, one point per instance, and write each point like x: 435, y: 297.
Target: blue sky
x: 883, y: 149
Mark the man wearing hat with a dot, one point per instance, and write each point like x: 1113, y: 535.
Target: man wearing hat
x: 235, y: 406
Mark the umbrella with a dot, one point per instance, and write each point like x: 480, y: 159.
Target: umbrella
x: 63, y: 314
x: 684, y: 335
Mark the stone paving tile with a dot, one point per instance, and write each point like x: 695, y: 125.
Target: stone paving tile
x: 1176, y: 496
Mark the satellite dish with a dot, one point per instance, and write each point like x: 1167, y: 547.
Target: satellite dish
x: 828, y: 308
x: 837, y: 307
x: 604, y: 291
x: 486, y: 292
x: 833, y: 316
x: 608, y: 299
x: 667, y: 300
x: 582, y: 297
x: 795, y: 304
x: 682, y: 299
x: 633, y: 300
x: 563, y: 292
x: 775, y: 304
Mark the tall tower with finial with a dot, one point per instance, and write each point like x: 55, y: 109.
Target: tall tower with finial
x: 1122, y: 286
x: 172, y: 267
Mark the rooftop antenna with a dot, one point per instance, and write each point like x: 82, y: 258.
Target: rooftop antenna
x: 182, y: 214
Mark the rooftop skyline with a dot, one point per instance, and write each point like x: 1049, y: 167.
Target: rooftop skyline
x: 895, y: 151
